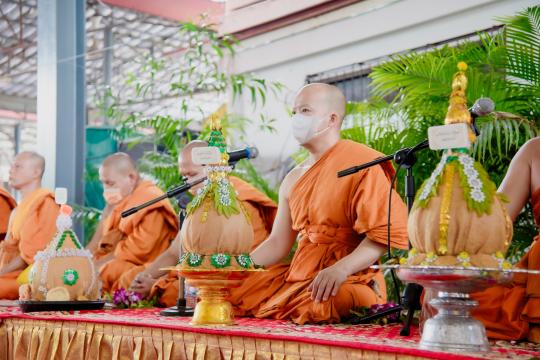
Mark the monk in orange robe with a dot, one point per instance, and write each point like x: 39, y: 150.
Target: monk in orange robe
x: 342, y: 224
x: 262, y: 211
x: 121, y: 244
x: 32, y: 223
x: 7, y: 204
x: 513, y: 312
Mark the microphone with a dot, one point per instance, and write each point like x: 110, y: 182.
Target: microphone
x: 171, y: 193
x: 247, y: 153
x: 481, y: 107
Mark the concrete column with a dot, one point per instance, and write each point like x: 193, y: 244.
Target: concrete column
x: 61, y: 98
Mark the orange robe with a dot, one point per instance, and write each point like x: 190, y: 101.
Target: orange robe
x: 332, y: 217
x: 510, y: 312
x: 33, y: 225
x: 7, y: 204
x: 262, y: 211
x: 137, y: 239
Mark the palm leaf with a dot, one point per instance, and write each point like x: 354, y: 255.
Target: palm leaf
x: 523, y: 45
x: 246, y: 171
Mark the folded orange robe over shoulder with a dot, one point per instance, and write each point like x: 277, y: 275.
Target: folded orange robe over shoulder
x: 513, y: 312
x: 262, y: 211
x: 137, y: 239
x: 332, y: 217
x: 33, y: 225
x: 7, y: 204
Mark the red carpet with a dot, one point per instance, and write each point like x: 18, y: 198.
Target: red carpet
x: 366, y: 337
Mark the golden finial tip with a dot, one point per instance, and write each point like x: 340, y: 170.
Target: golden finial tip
x: 462, y: 66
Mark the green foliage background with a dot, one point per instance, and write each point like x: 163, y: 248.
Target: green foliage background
x: 503, y: 66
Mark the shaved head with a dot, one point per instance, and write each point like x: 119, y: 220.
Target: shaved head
x: 27, y: 168
x: 119, y: 173
x: 318, y: 114
x: 327, y: 96
x: 120, y: 162
x: 37, y: 160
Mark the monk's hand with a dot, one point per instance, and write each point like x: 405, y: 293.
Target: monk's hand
x: 142, y: 284
x: 327, y: 283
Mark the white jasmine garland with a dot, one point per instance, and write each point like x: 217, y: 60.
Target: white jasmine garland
x: 433, y: 178
x: 473, y: 178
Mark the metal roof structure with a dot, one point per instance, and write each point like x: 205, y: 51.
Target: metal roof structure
x: 123, y: 37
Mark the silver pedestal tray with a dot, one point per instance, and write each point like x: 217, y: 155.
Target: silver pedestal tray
x: 453, y: 329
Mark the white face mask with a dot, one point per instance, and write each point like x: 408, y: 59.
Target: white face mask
x: 305, y: 127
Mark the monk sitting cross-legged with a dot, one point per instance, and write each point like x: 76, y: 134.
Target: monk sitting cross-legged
x: 342, y: 224
x: 121, y: 244
x: 32, y: 224
x: 262, y: 211
x: 513, y: 312
x: 7, y: 204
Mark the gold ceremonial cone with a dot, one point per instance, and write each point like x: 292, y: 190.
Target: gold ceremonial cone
x: 217, y: 235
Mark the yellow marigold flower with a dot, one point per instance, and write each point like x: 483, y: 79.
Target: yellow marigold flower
x: 403, y: 261
x: 506, y: 265
x: 463, y: 255
x: 499, y: 255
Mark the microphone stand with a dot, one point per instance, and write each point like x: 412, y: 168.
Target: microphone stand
x: 410, y: 300
x: 180, y: 309
x: 169, y: 194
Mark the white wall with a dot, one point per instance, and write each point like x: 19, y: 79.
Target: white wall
x: 360, y: 32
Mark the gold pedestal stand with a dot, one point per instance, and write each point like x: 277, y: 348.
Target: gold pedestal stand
x: 214, y: 287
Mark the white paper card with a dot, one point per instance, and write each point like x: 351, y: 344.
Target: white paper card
x: 451, y: 136
x: 60, y: 196
x: 206, y: 155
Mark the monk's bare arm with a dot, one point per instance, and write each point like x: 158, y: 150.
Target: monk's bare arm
x: 16, y: 264
x: 365, y: 255
x: 96, y: 238
x: 328, y: 281
x: 168, y: 258
x: 282, y: 237
x: 98, y: 234
x: 143, y: 282
x: 518, y: 183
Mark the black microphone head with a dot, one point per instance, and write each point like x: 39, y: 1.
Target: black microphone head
x: 183, y: 200
x: 253, y: 152
x: 483, y: 107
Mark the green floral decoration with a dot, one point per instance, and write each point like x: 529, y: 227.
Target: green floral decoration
x: 488, y: 189
x: 220, y: 261
x: 244, y: 260
x: 217, y: 140
x: 70, y: 277
x: 63, y: 238
x: 194, y: 260
x: 221, y: 194
x: 478, y: 189
x: 429, y: 188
